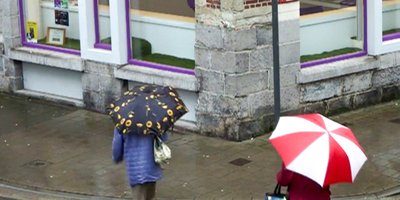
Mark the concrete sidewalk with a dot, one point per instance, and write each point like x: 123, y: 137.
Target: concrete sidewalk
x: 49, y: 151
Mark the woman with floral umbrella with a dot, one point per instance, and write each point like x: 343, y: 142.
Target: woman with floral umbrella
x: 141, y: 115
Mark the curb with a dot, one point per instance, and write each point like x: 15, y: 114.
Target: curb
x: 32, y: 193
x: 12, y: 192
x: 386, y: 194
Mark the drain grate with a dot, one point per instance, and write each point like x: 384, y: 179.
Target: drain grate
x: 240, y: 162
x: 397, y: 121
x: 37, y: 163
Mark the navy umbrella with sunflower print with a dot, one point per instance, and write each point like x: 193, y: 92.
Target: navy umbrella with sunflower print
x: 146, y: 109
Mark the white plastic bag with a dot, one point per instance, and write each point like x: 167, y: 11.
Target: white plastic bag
x: 162, y: 153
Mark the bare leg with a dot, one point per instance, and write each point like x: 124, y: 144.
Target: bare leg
x: 144, y: 191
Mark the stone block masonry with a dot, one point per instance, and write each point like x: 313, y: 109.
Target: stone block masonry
x: 232, y: 81
x: 12, y: 70
x: 100, y: 87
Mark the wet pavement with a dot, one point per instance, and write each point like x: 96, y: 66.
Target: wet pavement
x: 48, y: 151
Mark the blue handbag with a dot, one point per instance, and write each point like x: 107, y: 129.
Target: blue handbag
x: 276, y: 195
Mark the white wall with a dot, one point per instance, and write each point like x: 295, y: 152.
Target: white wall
x: 104, y: 25
x: 391, y: 17
x: 166, y: 36
x: 52, y: 80
x: 31, y: 14
x: 323, y: 32
x: 72, y: 31
x: 190, y: 100
x: 333, y: 29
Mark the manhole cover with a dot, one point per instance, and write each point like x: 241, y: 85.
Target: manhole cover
x: 37, y: 163
x: 240, y: 162
x: 397, y: 121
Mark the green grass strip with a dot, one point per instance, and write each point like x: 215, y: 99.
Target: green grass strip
x: 170, y: 60
x: 141, y: 51
x: 69, y: 44
x: 395, y: 30
x: 327, y: 54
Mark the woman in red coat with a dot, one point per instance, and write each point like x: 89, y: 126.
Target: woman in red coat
x: 301, y: 187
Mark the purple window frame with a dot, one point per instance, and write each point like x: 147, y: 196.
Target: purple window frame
x: 98, y: 44
x: 146, y: 63
x: 36, y: 45
x: 391, y: 36
x: 364, y: 52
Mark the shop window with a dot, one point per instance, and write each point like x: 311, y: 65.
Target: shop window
x: 162, y: 34
x: 331, y: 30
x: 102, y: 24
x: 391, y: 19
x: 50, y: 24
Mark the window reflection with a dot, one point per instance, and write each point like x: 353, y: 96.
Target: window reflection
x: 391, y: 19
x: 330, y: 28
x: 102, y: 25
x: 52, y: 22
x: 163, y: 32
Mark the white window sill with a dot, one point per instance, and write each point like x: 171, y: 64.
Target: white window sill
x: 156, y: 76
x: 47, y: 57
x: 337, y: 69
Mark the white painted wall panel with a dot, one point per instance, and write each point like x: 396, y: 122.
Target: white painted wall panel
x: 52, y: 80
x: 190, y: 100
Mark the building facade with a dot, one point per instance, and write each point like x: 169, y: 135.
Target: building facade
x: 334, y: 56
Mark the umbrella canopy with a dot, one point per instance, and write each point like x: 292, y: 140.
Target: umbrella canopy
x: 146, y: 109
x: 318, y: 148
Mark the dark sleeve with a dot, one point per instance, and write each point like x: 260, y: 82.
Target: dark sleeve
x: 284, y: 176
x: 117, y: 147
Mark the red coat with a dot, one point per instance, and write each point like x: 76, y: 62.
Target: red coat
x: 301, y: 187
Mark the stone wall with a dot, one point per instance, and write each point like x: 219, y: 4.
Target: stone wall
x: 2, y: 75
x: 1, y: 16
x: 100, y: 87
x: 234, y: 69
x: 11, y: 78
x: 350, y: 84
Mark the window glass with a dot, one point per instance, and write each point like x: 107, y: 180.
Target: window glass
x: 162, y: 32
x: 391, y: 19
x: 330, y: 28
x: 52, y: 23
x: 102, y: 24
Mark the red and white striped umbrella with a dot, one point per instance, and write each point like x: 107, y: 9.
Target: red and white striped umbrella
x: 318, y: 148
